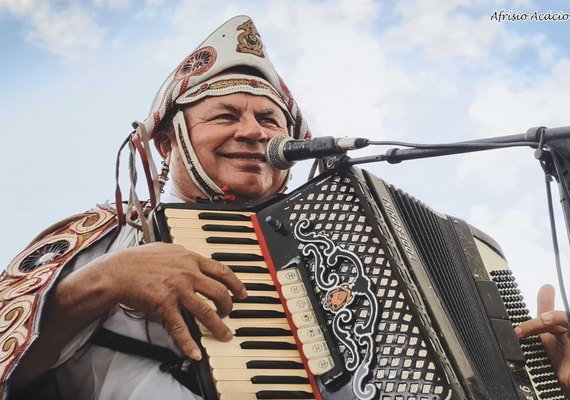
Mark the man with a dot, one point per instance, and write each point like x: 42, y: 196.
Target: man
x: 210, y: 122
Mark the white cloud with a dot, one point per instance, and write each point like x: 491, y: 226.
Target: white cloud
x: 454, y: 30
x: 510, y: 102
x: 337, y: 70
x: 63, y: 28
x: 518, y: 99
x: 112, y: 4
x: 442, y: 30
x: 18, y: 7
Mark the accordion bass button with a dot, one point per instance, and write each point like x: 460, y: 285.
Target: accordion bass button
x: 310, y: 334
x: 304, y: 319
x: 293, y: 291
x: 316, y: 350
x: 300, y: 304
x: 288, y: 276
x: 319, y: 366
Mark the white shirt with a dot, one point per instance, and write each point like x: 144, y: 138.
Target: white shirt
x: 87, y: 372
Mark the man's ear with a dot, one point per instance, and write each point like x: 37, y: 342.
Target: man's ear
x: 163, y: 143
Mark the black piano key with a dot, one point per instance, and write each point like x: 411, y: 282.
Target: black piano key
x: 248, y: 269
x: 230, y: 240
x: 283, y: 394
x: 261, y: 287
x: 257, y: 314
x: 254, y: 331
x: 227, y: 228
x: 268, y: 379
x: 273, y: 364
x: 236, y: 257
x: 267, y: 345
x: 220, y: 216
x: 257, y: 300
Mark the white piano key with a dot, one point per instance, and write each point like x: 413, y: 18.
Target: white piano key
x: 240, y: 374
x: 228, y: 361
x: 228, y: 387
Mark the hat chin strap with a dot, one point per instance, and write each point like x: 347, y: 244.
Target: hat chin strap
x: 195, y: 170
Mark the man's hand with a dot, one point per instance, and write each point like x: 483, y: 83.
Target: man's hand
x: 160, y: 280
x: 552, y: 326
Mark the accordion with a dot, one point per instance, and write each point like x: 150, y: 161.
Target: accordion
x: 359, y: 291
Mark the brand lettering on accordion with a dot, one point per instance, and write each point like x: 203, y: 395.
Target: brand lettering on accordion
x: 398, y: 228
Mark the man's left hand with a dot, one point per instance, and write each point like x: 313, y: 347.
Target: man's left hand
x: 552, y: 327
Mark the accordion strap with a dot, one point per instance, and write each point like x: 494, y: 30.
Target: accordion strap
x: 171, y: 362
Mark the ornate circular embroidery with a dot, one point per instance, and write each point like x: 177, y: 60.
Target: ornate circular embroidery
x: 44, y: 255
x: 197, y: 63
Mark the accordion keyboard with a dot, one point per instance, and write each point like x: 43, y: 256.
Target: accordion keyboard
x: 262, y: 360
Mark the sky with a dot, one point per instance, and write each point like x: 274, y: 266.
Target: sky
x: 75, y: 74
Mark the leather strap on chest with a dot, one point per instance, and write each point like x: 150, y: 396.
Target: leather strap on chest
x: 172, y: 363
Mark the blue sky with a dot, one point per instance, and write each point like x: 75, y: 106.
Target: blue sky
x: 75, y: 74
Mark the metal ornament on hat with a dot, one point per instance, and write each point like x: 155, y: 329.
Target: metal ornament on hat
x: 236, y: 43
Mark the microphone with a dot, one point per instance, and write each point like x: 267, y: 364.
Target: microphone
x: 283, y: 151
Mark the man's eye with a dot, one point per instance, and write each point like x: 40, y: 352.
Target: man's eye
x: 228, y: 117
x: 270, y: 121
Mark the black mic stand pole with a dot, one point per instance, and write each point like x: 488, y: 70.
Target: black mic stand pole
x: 531, y: 138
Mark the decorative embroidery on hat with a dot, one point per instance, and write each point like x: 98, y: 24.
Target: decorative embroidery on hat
x: 249, y: 41
x: 197, y: 63
x: 289, y: 99
x: 227, y: 84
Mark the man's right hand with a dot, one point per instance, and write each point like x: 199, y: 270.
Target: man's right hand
x: 160, y: 279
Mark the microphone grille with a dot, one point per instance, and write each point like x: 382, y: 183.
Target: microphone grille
x: 274, y: 152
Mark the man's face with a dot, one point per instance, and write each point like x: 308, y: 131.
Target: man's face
x: 230, y: 134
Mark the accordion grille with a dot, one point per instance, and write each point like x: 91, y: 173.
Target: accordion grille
x: 538, y: 364
x: 404, y: 366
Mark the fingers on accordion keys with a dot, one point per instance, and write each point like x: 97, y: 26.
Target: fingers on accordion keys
x: 308, y: 331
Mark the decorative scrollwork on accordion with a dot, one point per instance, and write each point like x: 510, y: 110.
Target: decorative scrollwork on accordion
x: 328, y: 256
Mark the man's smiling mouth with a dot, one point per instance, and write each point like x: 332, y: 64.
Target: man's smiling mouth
x: 246, y: 156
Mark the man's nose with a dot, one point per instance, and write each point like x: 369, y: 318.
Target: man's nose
x: 250, y: 129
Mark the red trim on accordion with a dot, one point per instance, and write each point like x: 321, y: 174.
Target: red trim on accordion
x: 273, y: 272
